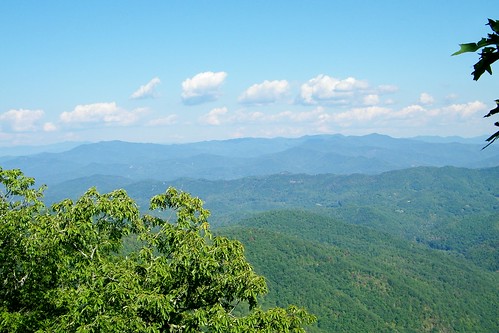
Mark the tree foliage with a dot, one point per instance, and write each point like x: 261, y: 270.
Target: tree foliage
x: 489, y: 53
x: 63, y: 269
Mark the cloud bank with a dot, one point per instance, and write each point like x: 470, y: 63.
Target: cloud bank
x: 104, y: 113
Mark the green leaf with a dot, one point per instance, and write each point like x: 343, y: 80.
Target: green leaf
x: 493, y: 111
x: 486, y: 41
x: 468, y: 47
x: 487, y: 58
x: 494, y: 25
x: 492, y: 138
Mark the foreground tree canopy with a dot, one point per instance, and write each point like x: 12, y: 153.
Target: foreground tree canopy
x: 489, y: 53
x: 63, y: 268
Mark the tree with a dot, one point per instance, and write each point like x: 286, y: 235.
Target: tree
x: 489, y: 53
x: 64, y: 268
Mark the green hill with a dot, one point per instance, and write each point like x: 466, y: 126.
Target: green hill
x: 356, y: 279
x: 450, y: 209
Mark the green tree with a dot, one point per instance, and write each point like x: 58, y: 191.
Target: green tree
x: 489, y: 53
x: 63, y: 269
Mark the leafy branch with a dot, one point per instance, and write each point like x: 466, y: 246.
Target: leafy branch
x: 489, y: 53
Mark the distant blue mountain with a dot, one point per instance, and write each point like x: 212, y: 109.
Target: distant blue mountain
x: 231, y: 159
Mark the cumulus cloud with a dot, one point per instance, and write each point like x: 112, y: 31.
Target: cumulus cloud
x: 214, y: 117
x: 426, y: 99
x: 265, y: 93
x: 324, y: 88
x: 164, y: 121
x: 147, y: 90
x: 202, y: 87
x: 22, y: 120
x: 106, y: 113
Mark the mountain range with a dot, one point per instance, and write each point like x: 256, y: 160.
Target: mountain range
x: 237, y: 158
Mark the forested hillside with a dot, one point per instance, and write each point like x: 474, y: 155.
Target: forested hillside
x: 450, y: 209
x: 356, y: 279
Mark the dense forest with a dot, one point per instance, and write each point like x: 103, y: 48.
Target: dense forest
x: 356, y: 279
x: 450, y: 209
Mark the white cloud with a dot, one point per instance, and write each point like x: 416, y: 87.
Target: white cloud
x: 371, y: 99
x: 107, y: 113
x: 464, y: 110
x: 324, y: 88
x: 168, y: 120
x: 22, y: 120
x: 265, y: 93
x: 214, y: 116
x: 404, y: 121
x: 146, y: 90
x: 361, y: 114
x: 281, y: 117
x: 315, y: 115
x: 412, y: 110
x: 202, y: 87
x: 49, y: 127
x: 426, y: 99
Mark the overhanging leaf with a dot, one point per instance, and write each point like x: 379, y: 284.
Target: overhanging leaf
x: 493, y: 111
x: 494, y: 25
x: 491, y: 139
x: 468, y: 47
x: 487, y: 58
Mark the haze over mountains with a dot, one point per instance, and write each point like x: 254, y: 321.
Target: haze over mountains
x: 231, y: 159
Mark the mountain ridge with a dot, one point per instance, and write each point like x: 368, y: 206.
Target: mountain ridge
x: 237, y: 158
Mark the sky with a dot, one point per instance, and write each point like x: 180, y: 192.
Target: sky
x: 187, y: 71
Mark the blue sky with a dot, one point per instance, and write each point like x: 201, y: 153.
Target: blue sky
x: 184, y: 71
